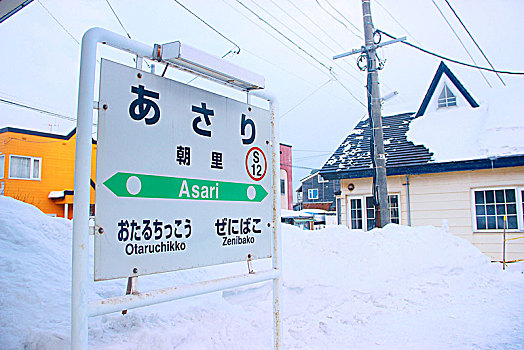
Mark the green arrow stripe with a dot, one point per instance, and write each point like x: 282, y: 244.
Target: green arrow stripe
x: 166, y: 187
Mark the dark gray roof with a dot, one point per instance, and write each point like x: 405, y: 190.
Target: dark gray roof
x: 354, y: 152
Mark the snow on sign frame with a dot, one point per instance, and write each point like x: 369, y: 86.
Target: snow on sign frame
x: 182, y: 177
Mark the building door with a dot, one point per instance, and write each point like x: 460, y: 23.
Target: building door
x: 355, y: 217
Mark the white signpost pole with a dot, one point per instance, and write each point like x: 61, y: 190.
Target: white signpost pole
x: 79, y: 301
x: 277, y: 241
x: 81, y: 308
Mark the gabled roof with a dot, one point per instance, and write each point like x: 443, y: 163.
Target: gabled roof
x: 38, y: 133
x: 443, y: 69
x: 41, y: 133
x: 354, y: 153
x: 313, y: 173
x: 434, y: 167
x: 475, y: 138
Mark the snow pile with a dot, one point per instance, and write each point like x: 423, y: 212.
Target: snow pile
x: 393, y: 288
x: 459, y: 133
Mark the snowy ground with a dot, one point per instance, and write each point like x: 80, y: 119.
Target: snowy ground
x: 396, y: 288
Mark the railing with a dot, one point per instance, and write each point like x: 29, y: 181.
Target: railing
x: 504, y: 262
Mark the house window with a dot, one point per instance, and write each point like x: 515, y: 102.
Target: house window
x: 492, y: 205
x: 27, y: 168
x: 312, y: 193
x: 321, y: 179
x: 446, y: 98
x: 282, y: 186
x: 355, y: 212
x: 2, y: 162
x: 394, y: 211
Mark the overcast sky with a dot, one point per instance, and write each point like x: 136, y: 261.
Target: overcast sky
x: 40, y: 54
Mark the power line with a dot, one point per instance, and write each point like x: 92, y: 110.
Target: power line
x: 60, y: 24
x: 18, y: 104
x: 471, y: 36
x: 450, y: 59
x: 118, y: 19
x: 274, y: 37
x: 396, y: 21
x: 223, y: 56
x: 327, y: 34
x: 339, y: 21
x: 39, y: 110
x: 301, y: 49
x: 460, y: 40
x: 300, y: 167
x: 345, y: 88
x: 283, y: 35
x: 303, y: 159
x: 318, y: 39
x: 351, y: 23
x: 209, y: 25
x: 309, y: 150
x: 287, y: 71
x: 305, y: 98
x: 300, y: 37
x: 316, y: 25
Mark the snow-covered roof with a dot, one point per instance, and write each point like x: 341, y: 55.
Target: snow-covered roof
x: 493, y: 127
x: 286, y: 213
x: 353, y: 153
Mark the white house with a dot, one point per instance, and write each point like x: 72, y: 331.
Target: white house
x: 456, y: 162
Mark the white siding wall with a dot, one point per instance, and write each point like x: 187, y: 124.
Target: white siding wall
x: 446, y: 199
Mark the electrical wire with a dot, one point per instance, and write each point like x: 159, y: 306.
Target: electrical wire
x: 317, y: 38
x: 300, y: 37
x: 283, y: 35
x: 60, y: 24
x: 18, y: 104
x: 461, y: 42
x: 329, y: 68
x: 305, y: 98
x: 345, y: 88
x: 302, y: 159
x: 316, y: 25
x: 300, y: 167
x: 397, y: 22
x: 274, y: 37
x: 209, y: 25
x: 339, y: 21
x: 118, y: 19
x: 450, y: 59
x: 223, y: 56
x: 310, y: 150
x: 39, y: 110
x: 347, y: 20
x: 471, y: 36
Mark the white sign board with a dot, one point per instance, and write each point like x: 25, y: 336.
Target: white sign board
x: 183, y: 177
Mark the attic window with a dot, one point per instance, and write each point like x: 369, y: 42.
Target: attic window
x: 446, y: 98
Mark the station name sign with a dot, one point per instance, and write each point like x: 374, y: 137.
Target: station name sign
x: 183, y: 177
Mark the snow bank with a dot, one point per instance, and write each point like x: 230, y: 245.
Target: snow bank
x: 393, y: 288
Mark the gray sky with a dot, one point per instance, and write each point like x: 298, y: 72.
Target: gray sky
x: 39, y: 61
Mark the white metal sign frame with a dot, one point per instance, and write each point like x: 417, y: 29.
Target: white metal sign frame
x: 81, y: 308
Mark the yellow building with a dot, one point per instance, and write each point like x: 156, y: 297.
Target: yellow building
x: 38, y: 168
